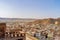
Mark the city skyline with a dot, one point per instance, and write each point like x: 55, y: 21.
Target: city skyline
x: 30, y: 8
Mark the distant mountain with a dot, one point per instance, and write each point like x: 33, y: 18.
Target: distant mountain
x: 16, y: 19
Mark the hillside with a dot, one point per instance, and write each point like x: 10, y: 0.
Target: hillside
x: 47, y: 21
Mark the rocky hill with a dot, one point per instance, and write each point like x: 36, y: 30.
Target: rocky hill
x: 48, y: 21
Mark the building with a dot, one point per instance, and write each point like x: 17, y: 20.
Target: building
x: 15, y: 35
x: 2, y: 30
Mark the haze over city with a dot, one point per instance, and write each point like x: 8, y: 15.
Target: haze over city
x: 30, y: 8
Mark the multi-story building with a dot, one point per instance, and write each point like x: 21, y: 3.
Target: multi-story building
x: 14, y: 34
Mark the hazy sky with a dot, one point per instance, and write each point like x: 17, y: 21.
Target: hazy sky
x: 30, y: 8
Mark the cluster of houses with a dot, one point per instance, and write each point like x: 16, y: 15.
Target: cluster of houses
x: 51, y: 30
x: 18, y: 30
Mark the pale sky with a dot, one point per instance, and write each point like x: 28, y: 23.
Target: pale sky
x: 30, y: 8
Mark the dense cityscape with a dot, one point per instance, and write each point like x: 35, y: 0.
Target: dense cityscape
x: 42, y: 29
